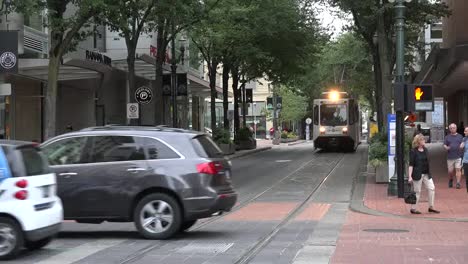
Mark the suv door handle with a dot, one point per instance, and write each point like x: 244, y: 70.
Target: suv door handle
x: 134, y: 170
x: 68, y: 174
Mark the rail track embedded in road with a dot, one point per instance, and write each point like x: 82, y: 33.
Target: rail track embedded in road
x: 264, y: 241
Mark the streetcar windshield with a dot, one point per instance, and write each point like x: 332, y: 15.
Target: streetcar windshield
x: 333, y: 115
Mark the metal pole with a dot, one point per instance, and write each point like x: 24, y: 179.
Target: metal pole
x: 275, y: 120
x: 255, y: 121
x: 174, y: 80
x: 400, y: 78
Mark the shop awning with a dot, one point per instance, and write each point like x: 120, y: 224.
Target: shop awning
x: 39, y: 69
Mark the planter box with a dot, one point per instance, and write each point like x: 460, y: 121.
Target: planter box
x: 288, y: 140
x: 227, y: 149
x: 247, y: 144
x: 381, y: 173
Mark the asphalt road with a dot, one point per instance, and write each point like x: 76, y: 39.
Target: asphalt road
x: 292, y: 203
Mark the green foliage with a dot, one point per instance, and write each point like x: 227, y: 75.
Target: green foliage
x: 378, y: 153
x: 222, y: 136
x: 288, y: 135
x: 378, y: 149
x: 244, y: 134
x: 294, y: 105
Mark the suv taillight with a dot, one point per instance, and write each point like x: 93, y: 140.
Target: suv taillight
x: 22, y: 183
x: 211, y: 168
x: 21, y: 195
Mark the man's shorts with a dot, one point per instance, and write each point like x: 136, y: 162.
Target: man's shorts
x: 454, y: 164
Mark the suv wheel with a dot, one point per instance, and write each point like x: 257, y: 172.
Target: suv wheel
x: 158, y: 216
x: 11, y: 238
x: 33, y: 245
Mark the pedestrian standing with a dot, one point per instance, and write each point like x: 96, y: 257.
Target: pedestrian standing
x: 419, y: 173
x: 452, y: 144
x: 464, y: 146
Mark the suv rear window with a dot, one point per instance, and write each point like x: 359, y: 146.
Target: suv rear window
x: 34, y: 162
x: 206, y: 147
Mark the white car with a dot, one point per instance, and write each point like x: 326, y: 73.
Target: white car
x: 31, y: 213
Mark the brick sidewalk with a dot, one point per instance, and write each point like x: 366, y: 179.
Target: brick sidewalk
x: 453, y: 203
x: 408, y: 238
x: 424, y: 242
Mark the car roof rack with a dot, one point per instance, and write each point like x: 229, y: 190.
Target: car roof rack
x: 162, y: 128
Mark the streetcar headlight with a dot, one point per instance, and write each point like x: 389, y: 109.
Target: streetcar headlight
x: 345, y: 129
x: 334, y: 96
x: 322, y: 130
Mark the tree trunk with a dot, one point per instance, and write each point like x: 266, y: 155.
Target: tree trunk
x: 378, y: 90
x: 132, y: 83
x: 225, y: 95
x: 213, y: 64
x: 158, y: 83
x: 235, y: 91
x: 51, y: 97
x: 244, y: 105
x: 386, y: 71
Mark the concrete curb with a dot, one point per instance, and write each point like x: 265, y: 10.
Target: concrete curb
x: 248, y: 152
x: 300, y: 142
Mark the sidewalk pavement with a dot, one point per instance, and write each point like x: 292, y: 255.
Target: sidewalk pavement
x: 380, y: 228
x: 262, y: 145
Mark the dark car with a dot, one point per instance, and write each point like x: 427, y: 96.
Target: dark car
x: 162, y: 179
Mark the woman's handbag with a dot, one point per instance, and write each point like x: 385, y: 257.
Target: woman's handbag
x: 411, y: 196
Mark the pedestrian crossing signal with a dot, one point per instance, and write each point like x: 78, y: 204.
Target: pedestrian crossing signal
x: 423, y: 93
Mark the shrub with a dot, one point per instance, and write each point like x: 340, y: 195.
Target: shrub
x: 378, y: 153
x: 244, y: 134
x: 222, y: 136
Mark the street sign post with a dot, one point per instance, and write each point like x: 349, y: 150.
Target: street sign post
x: 308, y: 122
x: 133, y: 111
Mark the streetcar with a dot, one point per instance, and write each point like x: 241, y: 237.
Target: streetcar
x: 336, y: 122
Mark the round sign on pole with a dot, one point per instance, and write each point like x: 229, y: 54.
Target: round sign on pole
x: 143, y: 95
x: 308, y: 121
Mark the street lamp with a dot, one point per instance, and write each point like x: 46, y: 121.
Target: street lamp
x: 400, y: 9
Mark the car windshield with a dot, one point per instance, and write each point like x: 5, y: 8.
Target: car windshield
x: 333, y: 115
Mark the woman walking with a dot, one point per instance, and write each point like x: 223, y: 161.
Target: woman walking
x: 418, y: 172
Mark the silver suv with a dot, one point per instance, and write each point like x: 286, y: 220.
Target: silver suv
x: 161, y: 179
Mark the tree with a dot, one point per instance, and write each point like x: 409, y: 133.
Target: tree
x: 346, y: 63
x: 294, y: 105
x: 174, y: 17
x: 208, y: 40
x: 376, y: 18
x: 69, y: 23
x: 131, y: 19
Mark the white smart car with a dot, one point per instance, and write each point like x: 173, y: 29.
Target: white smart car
x: 30, y: 211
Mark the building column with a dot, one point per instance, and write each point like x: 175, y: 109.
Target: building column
x: 196, y: 113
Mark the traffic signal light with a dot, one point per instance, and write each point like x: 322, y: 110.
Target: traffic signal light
x: 249, y: 96
x: 413, y: 98
x: 182, y: 84
x: 167, y: 89
x: 420, y: 97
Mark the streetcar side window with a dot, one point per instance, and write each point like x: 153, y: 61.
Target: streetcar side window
x: 316, y: 115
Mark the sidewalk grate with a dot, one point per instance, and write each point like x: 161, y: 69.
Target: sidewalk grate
x: 386, y: 230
